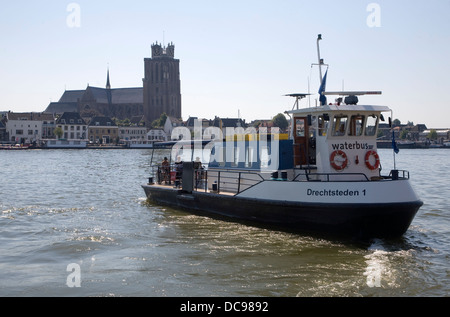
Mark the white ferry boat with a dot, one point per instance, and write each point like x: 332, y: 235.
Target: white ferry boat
x: 133, y: 144
x: 325, y: 177
x: 65, y: 144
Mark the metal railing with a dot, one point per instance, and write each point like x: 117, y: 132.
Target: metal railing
x: 173, y: 175
x: 395, y: 174
x: 233, y: 181
x: 236, y: 181
x: 328, y: 177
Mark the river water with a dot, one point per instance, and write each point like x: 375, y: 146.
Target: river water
x: 76, y: 223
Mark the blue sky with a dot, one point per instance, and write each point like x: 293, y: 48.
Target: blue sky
x: 237, y: 57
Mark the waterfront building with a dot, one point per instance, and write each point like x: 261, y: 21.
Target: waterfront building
x: 132, y: 133
x: 170, y: 124
x: 73, y: 126
x: 157, y: 135
x: 441, y: 135
x: 223, y: 123
x: 191, y: 123
x: 103, y: 130
x: 132, y: 129
x: 3, y: 133
x: 29, y: 127
x: 138, y: 121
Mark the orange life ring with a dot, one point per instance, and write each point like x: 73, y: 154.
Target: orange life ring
x: 344, y: 162
x: 377, y: 160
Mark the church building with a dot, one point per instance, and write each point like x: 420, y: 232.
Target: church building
x: 160, y: 93
x: 162, y: 88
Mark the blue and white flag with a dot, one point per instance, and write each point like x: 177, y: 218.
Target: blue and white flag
x: 322, y: 98
x: 394, y: 144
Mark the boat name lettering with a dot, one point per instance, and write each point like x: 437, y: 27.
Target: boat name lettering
x: 337, y: 192
x: 352, y: 146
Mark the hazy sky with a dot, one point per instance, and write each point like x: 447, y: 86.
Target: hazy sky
x: 236, y: 56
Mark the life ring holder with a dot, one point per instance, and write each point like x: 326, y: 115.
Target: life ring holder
x: 333, y: 163
x: 370, y: 166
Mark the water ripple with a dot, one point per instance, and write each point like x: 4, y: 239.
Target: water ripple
x: 87, y: 207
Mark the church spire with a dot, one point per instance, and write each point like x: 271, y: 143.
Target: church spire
x: 108, y: 89
x: 108, y: 84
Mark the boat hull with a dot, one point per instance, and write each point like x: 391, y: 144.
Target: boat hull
x: 359, y: 220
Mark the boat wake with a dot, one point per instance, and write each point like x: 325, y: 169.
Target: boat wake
x: 382, y: 269
x: 377, y: 264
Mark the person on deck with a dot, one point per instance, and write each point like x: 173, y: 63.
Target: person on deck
x: 165, y: 169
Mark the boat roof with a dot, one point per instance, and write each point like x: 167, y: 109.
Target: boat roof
x: 170, y: 144
x: 340, y: 108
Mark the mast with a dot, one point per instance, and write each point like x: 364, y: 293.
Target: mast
x: 319, y: 37
x: 322, y: 98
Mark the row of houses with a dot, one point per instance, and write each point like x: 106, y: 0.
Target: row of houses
x: 37, y: 128
x: 413, y: 134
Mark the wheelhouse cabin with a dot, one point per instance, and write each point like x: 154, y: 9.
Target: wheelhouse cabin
x: 338, y: 140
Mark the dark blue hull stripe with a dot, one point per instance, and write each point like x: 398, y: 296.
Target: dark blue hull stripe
x: 362, y: 220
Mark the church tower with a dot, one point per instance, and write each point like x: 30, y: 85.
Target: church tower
x: 162, y: 87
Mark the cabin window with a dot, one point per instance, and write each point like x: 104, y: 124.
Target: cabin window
x: 300, y: 127
x: 313, y: 127
x: 339, y: 125
x: 356, y: 125
x: 323, y: 123
x: 371, y: 125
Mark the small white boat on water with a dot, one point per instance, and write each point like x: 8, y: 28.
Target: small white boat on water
x: 65, y: 144
x: 14, y: 147
x: 325, y: 177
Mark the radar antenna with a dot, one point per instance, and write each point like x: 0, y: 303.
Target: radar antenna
x: 297, y: 97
